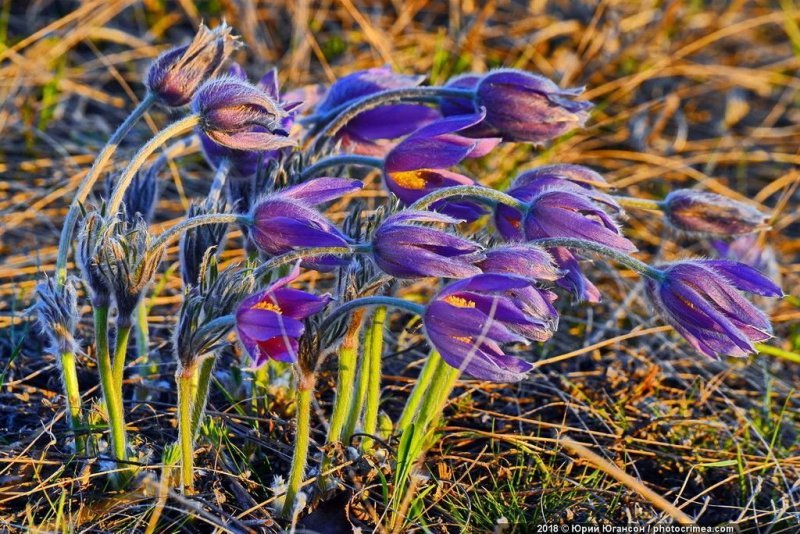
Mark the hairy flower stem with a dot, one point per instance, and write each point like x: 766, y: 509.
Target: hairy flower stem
x: 88, y: 182
x: 211, y: 218
x: 295, y: 255
x: 69, y: 377
x: 175, y: 129
x: 143, y: 334
x: 475, y: 191
x: 362, y: 384
x: 338, y: 161
x: 437, y: 395
x: 220, y: 176
x: 364, y: 302
x: 120, y: 352
x: 345, y: 385
x: 305, y: 391
x: 186, y: 397
x: 116, y: 415
x: 602, y: 250
x: 203, y: 382
x: 373, y: 361
x: 338, y: 118
x: 420, y: 388
x: 639, y: 203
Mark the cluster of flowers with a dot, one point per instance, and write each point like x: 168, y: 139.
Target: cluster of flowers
x: 501, y: 291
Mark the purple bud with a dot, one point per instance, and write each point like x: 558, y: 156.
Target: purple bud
x: 406, y: 250
x: 238, y: 115
x: 526, y: 107
x: 176, y: 74
x: 701, y: 299
x: 709, y: 213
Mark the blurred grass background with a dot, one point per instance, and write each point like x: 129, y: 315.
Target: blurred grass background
x: 689, y: 94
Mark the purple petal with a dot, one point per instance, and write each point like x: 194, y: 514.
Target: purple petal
x: 321, y: 190
x: 745, y: 278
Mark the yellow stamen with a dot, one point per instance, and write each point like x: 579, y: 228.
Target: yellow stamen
x: 410, y: 179
x: 463, y: 339
x: 269, y: 306
x: 459, y: 302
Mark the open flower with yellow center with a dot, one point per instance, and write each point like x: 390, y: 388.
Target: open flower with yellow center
x: 419, y: 164
x: 269, y: 323
x: 470, y: 320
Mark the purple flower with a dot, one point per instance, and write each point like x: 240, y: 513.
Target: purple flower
x: 245, y: 163
x: 562, y: 204
x: 748, y: 250
x: 708, y: 213
x: 176, y: 74
x: 701, y: 299
x: 533, y: 263
x: 240, y: 116
x: 419, y: 164
x: 451, y: 106
x: 287, y: 220
x: 469, y: 320
x: 527, y: 107
x: 407, y: 250
x: 269, y: 323
x: 386, y: 122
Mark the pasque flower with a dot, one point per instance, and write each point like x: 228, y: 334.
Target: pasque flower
x: 363, y: 133
x: 709, y: 213
x: 287, y: 220
x: 561, y: 203
x: 244, y: 163
x: 451, y: 105
x: 406, y: 250
x: 238, y: 115
x: 533, y: 263
x: 748, y: 250
x: 469, y: 320
x: 701, y: 299
x: 526, y: 107
x: 176, y: 74
x: 419, y: 164
x: 269, y: 323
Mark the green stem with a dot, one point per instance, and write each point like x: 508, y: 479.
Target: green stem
x: 203, y: 383
x: 778, y: 352
x: 88, y: 182
x: 302, y: 440
x: 373, y: 359
x: 362, y: 384
x: 476, y: 191
x: 638, y: 203
x: 591, y: 246
x: 339, y: 117
x: 345, y: 382
x: 73, y: 394
x: 166, y: 236
x: 440, y: 389
x: 186, y: 396
x: 120, y: 353
x: 116, y: 415
x: 175, y: 129
x: 420, y: 388
x: 339, y: 160
x: 143, y: 335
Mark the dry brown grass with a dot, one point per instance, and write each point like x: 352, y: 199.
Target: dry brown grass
x: 689, y: 93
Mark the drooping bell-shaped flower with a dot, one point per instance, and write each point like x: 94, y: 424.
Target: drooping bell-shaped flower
x: 702, y: 300
x: 406, y: 250
x: 708, y: 213
x: 525, y: 107
x: 420, y: 163
x: 470, y: 320
x: 175, y: 75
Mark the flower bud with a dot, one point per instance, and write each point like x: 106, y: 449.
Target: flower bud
x: 526, y: 107
x: 238, y: 115
x: 709, y: 213
x: 196, y: 242
x: 57, y: 314
x: 176, y: 74
x: 141, y: 196
x: 88, y: 260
